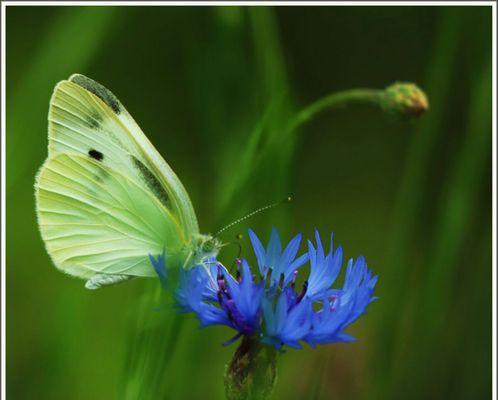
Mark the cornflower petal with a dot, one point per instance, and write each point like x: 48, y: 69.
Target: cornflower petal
x: 280, y: 263
x: 274, y: 250
x: 324, y: 269
x: 260, y: 252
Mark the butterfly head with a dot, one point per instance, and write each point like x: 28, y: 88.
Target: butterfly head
x: 205, y: 247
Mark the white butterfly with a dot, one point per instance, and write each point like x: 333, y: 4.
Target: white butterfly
x: 105, y: 197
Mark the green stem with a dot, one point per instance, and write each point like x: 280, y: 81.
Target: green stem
x: 334, y: 101
x: 401, y: 99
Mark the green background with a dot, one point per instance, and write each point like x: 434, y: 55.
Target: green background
x: 213, y: 89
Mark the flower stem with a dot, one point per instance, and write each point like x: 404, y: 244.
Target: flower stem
x: 251, y: 374
x: 400, y: 99
x: 335, y: 100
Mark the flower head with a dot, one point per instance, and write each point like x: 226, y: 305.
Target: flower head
x: 268, y: 306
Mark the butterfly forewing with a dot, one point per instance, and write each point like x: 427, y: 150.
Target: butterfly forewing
x: 86, y: 118
x: 95, y: 220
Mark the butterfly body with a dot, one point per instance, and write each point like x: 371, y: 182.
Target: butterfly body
x: 105, y: 197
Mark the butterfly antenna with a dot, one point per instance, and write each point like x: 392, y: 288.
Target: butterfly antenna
x: 251, y: 214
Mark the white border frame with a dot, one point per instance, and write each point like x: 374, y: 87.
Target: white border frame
x: 244, y: 3
x: 249, y: 3
x: 494, y: 199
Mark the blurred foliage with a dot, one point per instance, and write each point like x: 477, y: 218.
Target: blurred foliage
x: 214, y: 88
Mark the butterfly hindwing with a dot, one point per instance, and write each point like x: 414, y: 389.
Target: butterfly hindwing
x: 98, y: 222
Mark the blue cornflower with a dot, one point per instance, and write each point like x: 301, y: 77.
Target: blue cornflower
x: 267, y: 305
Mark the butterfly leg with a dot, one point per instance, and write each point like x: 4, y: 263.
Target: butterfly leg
x: 187, y: 260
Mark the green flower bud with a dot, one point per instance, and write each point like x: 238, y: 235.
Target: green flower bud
x: 251, y: 375
x: 404, y: 100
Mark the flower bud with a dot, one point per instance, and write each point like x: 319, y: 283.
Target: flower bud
x: 404, y: 100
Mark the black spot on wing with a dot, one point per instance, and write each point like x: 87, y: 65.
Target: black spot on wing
x: 96, y: 155
x: 152, y: 182
x: 98, y: 90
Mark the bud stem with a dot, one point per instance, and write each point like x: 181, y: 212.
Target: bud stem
x: 251, y: 374
x: 333, y: 101
x: 399, y: 99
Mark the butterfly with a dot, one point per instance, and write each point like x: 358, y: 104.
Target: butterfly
x: 105, y: 198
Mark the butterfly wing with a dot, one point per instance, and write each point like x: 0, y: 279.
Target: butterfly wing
x: 99, y: 224
x: 106, y: 199
x: 86, y: 118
